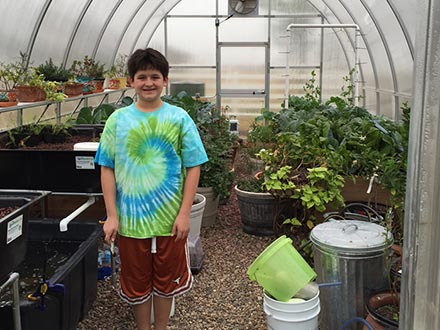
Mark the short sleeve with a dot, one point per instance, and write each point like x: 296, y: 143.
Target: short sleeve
x: 193, y: 151
x: 105, y: 155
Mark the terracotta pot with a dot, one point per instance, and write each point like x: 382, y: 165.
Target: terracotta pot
x: 99, y: 85
x: 12, y: 96
x: 73, y: 89
x: 114, y: 84
x: 30, y: 94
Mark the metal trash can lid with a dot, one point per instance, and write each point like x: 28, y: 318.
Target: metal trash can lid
x: 351, y: 236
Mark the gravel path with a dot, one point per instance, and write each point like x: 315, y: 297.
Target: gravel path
x: 222, y: 296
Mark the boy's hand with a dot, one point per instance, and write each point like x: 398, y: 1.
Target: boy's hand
x: 181, y: 227
x: 110, y: 229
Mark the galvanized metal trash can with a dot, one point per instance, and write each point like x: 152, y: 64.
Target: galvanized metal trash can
x: 355, y: 253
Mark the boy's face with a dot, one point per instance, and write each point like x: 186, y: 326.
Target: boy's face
x: 149, y: 84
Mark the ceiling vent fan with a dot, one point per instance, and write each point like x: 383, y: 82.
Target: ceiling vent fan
x: 243, y: 7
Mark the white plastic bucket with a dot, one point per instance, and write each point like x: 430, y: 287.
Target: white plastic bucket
x: 196, y: 215
x: 292, y: 315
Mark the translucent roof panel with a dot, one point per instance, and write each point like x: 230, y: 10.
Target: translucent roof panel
x: 70, y: 29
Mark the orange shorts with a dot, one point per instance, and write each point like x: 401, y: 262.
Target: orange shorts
x: 166, y: 273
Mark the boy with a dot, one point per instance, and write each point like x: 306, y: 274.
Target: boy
x: 150, y: 155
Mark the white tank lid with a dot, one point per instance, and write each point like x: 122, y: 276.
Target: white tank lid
x: 86, y: 146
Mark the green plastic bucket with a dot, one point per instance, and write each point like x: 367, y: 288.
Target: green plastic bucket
x: 281, y: 270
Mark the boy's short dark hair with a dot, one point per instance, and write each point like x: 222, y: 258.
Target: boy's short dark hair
x: 147, y: 59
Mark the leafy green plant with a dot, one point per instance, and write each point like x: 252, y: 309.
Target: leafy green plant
x: 53, y: 90
x: 9, y: 76
x: 317, y: 144
x: 27, y: 135
x: 119, y: 69
x: 305, y: 174
x: 88, y: 67
x: 53, y: 72
x: 99, y: 114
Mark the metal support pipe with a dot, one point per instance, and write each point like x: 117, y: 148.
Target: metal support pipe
x: 292, y: 26
x: 356, y: 68
x: 13, y: 279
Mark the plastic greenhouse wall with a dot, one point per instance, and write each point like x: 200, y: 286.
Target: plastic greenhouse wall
x: 68, y: 30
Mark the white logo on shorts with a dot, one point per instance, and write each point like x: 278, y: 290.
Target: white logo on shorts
x: 177, y: 280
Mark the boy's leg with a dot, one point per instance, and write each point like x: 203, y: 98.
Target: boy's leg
x: 142, y: 314
x: 162, y: 309
x: 135, y: 278
x: 171, y: 277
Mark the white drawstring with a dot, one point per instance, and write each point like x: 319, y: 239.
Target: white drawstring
x: 153, y: 245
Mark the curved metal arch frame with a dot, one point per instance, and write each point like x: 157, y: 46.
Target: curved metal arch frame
x: 36, y: 29
x: 369, y: 51
x: 146, y: 22
x: 403, y: 27
x: 75, y: 31
x: 44, y: 10
x: 157, y: 25
x: 104, y: 28
x: 390, y: 60
x: 124, y: 30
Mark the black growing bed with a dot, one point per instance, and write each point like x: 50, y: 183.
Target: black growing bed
x: 75, y: 255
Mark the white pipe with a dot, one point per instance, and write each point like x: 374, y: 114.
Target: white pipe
x: 64, y: 222
x: 293, y: 25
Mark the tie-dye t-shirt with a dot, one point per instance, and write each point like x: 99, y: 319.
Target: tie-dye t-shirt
x: 149, y: 152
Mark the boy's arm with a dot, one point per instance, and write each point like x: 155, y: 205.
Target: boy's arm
x: 108, y: 184
x: 182, y: 224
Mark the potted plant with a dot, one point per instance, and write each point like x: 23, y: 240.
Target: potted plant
x: 8, y: 81
x: 30, y: 83
x: 89, y: 72
x: 350, y: 142
x: 260, y: 136
x: 64, y: 79
x: 306, y: 173
x: 53, y: 72
x: 118, y: 73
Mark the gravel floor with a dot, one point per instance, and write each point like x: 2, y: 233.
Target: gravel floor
x: 222, y: 296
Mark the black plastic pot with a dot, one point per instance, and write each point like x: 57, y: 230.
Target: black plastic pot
x: 377, y: 319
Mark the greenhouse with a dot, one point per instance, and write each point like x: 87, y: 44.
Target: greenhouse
x: 309, y: 126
